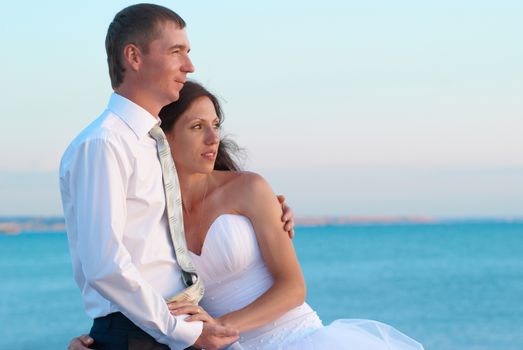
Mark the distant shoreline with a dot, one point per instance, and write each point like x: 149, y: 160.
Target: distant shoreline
x: 19, y: 224
x: 14, y: 225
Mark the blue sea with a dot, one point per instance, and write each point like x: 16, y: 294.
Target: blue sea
x: 450, y: 286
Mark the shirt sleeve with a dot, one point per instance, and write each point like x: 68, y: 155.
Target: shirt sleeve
x: 98, y: 186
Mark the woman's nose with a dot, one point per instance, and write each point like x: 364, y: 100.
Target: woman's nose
x: 212, y: 136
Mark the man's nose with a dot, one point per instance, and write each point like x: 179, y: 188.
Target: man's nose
x: 188, y: 67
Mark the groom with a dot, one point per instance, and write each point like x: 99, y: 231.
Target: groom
x: 114, y: 200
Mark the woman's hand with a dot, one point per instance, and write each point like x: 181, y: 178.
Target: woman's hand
x: 195, y: 312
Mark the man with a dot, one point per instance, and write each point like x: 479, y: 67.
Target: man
x: 113, y: 195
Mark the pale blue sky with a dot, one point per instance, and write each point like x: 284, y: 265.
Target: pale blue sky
x: 347, y: 107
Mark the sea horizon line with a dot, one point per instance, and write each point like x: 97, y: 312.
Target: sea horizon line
x: 33, y: 223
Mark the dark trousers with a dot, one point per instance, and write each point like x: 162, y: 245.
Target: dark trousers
x: 117, y: 332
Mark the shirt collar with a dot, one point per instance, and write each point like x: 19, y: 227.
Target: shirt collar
x: 138, y: 119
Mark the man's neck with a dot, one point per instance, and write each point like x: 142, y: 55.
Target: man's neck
x: 140, y: 98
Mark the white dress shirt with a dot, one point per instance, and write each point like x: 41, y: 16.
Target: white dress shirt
x: 114, y: 206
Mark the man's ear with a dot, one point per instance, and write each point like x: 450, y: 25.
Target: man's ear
x: 132, y: 56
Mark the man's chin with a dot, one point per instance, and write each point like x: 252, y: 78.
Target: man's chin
x: 172, y: 98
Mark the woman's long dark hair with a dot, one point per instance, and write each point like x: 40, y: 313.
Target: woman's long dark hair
x: 228, y: 151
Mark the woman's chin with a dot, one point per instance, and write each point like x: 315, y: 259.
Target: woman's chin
x: 206, y: 169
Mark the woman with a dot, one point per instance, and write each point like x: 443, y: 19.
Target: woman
x: 247, y: 261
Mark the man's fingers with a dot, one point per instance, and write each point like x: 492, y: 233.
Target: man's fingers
x: 178, y: 304
x: 190, y: 310
x: 287, y: 216
x: 85, y: 339
x: 80, y: 343
x: 287, y: 213
x: 289, y: 224
x: 200, y: 317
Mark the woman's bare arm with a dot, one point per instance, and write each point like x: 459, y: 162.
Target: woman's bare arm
x: 259, y: 204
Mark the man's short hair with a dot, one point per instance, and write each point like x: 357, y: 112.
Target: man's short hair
x: 136, y: 24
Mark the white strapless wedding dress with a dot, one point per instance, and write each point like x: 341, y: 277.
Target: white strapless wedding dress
x: 234, y: 273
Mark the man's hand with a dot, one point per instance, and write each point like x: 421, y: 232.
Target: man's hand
x: 287, y: 217
x: 80, y: 343
x: 215, y: 337
x: 195, y: 312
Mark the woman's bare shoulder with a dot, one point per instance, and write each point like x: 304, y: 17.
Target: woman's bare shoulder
x: 248, y: 181
x: 237, y: 178
x: 242, y: 187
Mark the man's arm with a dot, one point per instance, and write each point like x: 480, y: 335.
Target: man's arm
x: 97, y: 186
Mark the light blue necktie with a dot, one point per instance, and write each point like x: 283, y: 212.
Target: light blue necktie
x: 173, y: 200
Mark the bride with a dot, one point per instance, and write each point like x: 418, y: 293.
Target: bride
x: 246, y: 260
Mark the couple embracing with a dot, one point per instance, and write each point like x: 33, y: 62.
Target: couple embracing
x: 173, y: 246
